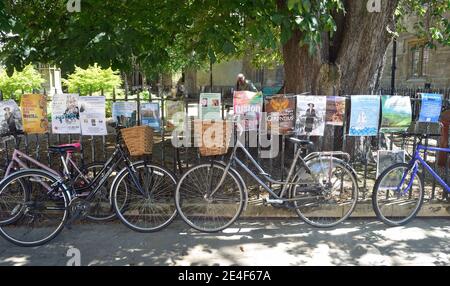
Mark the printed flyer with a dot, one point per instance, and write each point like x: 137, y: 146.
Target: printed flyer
x: 335, y: 110
x: 150, y: 115
x: 175, y: 114
x: 65, y: 114
x: 210, y: 107
x: 249, y: 104
x: 92, y: 115
x: 280, y: 114
x: 34, y: 113
x: 431, y: 107
x: 311, y: 111
x: 365, y: 115
x: 396, y: 113
x: 386, y: 159
x: 125, y: 113
x: 10, y: 118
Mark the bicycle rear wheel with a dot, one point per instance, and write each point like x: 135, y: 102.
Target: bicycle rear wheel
x: 205, y: 213
x: 42, y: 213
x: 391, y: 203
x: 332, y: 199
x: 148, y: 212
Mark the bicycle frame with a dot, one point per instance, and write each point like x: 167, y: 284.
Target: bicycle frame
x: 21, y: 158
x: 414, y: 163
x: 285, y: 184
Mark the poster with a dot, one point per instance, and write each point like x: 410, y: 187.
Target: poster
x: 92, y: 115
x: 311, y: 111
x: 365, y: 115
x: 385, y: 160
x: 65, y: 114
x: 125, y: 113
x: 335, y: 110
x: 249, y: 104
x: 150, y: 115
x: 34, y: 113
x: 210, y: 106
x: 10, y: 117
x: 396, y: 113
x: 431, y: 107
x: 175, y: 113
x: 280, y: 111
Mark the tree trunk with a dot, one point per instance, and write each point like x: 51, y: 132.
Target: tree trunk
x: 349, y: 63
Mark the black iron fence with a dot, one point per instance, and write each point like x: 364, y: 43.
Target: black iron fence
x: 362, y: 149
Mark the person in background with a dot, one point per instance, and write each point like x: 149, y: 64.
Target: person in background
x: 244, y: 85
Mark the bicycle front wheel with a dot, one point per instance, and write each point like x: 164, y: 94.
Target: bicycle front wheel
x: 151, y: 208
x: 42, y: 213
x: 328, y: 198
x: 202, y: 210
x: 392, y: 201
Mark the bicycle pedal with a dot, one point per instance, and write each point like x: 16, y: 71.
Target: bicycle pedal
x: 274, y: 202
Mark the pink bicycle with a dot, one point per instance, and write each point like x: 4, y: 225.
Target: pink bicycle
x: 101, y: 209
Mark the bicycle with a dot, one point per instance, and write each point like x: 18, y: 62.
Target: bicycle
x: 398, y: 193
x: 102, y: 211
x: 210, y: 197
x: 141, y: 196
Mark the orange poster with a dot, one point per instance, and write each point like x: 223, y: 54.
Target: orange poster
x: 34, y: 113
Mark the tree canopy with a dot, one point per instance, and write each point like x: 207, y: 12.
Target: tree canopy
x: 167, y: 35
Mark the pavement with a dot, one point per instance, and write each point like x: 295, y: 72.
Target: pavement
x: 249, y: 242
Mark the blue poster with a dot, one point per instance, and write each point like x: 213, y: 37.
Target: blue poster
x: 365, y: 115
x: 150, y: 115
x: 431, y: 107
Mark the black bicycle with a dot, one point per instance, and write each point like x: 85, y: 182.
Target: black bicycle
x: 141, y: 196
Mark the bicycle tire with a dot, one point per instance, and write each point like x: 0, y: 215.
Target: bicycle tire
x: 183, y: 212
x: 66, y: 199
x: 376, y: 189
x: 124, y: 206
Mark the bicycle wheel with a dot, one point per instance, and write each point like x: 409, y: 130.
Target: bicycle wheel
x: 12, y: 201
x: 207, y: 213
x: 100, y: 207
x: 391, y: 203
x: 43, y: 212
x: 148, y: 212
x: 329, y: 200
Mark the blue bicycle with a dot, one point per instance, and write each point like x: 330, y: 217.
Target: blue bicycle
x: 398, y: 193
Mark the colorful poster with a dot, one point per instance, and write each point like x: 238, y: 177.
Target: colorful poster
x: 335, y: 110
x: 150, y: 115
x: 34, y: 113
x: 385, y: 160
x: 175, y: 112
x: 249, y: 104
x: 65, y: 114
x: 396, y: 113
x: 10, y: 117
x: 210, y: 107
x: 431, y: 107
x: 125, y: 113
x: 311, y: 111
x: 365, y: 115
x: 280, y: 114
x: 92, y: 115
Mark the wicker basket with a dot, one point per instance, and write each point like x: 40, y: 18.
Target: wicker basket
x: 213, y: 137
x: 139, y: 140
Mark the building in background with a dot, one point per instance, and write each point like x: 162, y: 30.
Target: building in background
x: 52, y: 77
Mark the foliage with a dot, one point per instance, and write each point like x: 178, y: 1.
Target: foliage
x: 168, y: 35
x: 27, y: 80
x: 93, y: 79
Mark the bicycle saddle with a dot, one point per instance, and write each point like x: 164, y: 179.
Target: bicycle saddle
x: 301, y: 142
x: 65, y: 148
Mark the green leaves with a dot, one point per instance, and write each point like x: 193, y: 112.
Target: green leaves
x: 26, y: 80
x: 93, y: 79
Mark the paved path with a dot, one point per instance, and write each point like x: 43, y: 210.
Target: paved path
x: 274, y: 242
